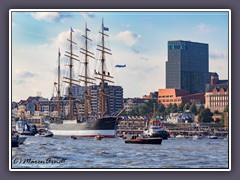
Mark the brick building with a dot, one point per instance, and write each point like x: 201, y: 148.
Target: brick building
x: 216, y: 96
x: 178, y: 96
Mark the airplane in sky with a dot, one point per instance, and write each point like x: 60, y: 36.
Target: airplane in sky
x: 120, y: 66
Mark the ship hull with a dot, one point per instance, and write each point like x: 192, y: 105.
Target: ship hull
x: 85, y: 133
x: 106, y: 127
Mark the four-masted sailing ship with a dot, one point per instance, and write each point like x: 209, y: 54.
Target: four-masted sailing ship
x: 103, y: 124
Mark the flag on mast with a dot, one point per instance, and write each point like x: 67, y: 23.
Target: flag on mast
x: 72, y: 30
x: 105, y: 28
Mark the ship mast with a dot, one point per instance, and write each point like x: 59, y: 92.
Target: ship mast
x: 57, y: 85
x: 103, y: 50
x: 102, y: 80
x: 70, y: 79
x: 58, y: 89
x: 86, y: 78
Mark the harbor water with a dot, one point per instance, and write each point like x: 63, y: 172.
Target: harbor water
x: 64, y: 152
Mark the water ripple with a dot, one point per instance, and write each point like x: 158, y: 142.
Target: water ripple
x: 114, y: 153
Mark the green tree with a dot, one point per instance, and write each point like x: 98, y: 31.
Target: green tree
x: 17, y: 118
x: 205, y: 116
x: 148, y: 108
x: 161, y: 109
x: 180, y: 107
x: 135, y: 111
x: 216, y: 112
x: 193, y: 108
x: 186, y: 107
x: 218, y: 120
x: 174, y: 108
x: 168, y: 109
x: 226, y: 109
x: 222, y: 120
x: 200, y: 109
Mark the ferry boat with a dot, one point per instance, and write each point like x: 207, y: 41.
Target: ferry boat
x: 88, y: 126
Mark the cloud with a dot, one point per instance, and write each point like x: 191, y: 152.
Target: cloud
x: 62, y: 42
x: 217, y: 56
x: 87, y: 15
x: 135, y: 50
x: 46, y: 16
x: 21, y: 77
x: 139, y: 49
x: 24, y: 74
x: 202, y: 28
x: 128, y: 38
x: 144, y: 58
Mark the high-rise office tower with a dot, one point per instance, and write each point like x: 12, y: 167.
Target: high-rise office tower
x: 187, y: 66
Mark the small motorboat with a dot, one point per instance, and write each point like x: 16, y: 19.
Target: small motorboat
x: 144, y: 141
x: 98, y: 137
x: 21, y: 139
x: 212, y: 137
x: 73, y: 137
x: 44, y: 133
x: 195, y: 137
x: 17, y: 139
x: 180, y: 136
x: 123, y: 137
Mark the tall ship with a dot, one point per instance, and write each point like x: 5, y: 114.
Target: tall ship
x: 89, y: 123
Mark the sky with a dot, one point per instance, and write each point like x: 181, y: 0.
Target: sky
x: 137, y: 39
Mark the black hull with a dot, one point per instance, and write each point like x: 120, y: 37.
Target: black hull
x: 15, y: 142
x: 163, y: 134
x: 106, y: 123
x: 105, y: 126
x: 144, y: 141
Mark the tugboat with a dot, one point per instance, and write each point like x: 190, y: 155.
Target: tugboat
x: 155, y: 128
x: 98, y: 137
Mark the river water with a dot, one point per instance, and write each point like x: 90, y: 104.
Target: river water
x: 64, y: 152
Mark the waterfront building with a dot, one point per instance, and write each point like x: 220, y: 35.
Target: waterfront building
x: 77, y: 91
x: 216, y: 96
x: 185, y: 117
x: 225, y: 119
x: 152, y: 95
x: 187, y: 66
x: 131, y: 126
x: 130, y: 103
x: 113, y: 102
x: 38, y: 106
x: 178, y: 96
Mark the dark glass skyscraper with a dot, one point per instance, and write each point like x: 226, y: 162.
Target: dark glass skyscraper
x: 187, y: 66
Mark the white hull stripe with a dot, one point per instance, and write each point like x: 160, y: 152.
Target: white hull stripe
x: 83, y: 132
